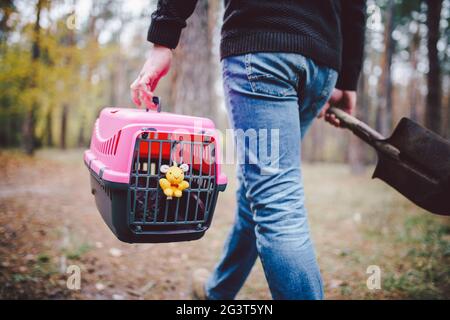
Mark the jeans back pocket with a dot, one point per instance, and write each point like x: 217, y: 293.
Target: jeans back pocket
x: 271, y: 73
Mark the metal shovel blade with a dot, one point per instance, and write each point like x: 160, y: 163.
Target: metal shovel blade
x: 421, y: 169
x: 414, y: 160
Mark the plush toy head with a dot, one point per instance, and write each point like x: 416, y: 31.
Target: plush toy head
x: 174, y: 173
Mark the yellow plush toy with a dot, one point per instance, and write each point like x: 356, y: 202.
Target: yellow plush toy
x: 173, y: 184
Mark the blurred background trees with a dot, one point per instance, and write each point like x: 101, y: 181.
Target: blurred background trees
x: 405, y: 74
x: 61, y: 61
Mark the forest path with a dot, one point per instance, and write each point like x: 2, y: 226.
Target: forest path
x: 48, y: 221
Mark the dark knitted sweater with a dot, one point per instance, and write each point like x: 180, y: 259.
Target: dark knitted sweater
x: 331, y: 32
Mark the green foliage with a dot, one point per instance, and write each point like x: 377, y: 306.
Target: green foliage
x: 43, y: 258
x: 17, y: 277
x: 428, y: 272
x: 61, y: 77
x: 78, y: 72
x: 78, y: 252
x: 405, y: 9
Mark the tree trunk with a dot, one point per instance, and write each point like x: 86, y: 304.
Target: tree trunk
x: 5, y: 133
x: 433, y: 114
x: 14, y: 131
x: 384, y: 120
x: 28, y: 139
x: 8, y: 8
x: 65, y: 111
x: 81, y: 135
x: 413, y: 86
x: 192, y: 73
x: 113, y: 82
x: 70, y: 42
x: 49, y: 128
x: 28, y: 135
x: 357, y: 151
x: 448, y: 116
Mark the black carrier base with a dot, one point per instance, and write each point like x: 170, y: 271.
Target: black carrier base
x: 113, y: 201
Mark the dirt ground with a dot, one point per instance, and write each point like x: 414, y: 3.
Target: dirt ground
x: 48, y: 221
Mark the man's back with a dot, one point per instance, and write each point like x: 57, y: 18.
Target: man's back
x: 309, y: 27
x: 331, y: 32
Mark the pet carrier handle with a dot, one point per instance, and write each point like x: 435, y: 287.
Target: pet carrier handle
x: 157, y: 101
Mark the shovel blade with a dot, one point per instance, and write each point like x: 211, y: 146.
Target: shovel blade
x: 422, y: 171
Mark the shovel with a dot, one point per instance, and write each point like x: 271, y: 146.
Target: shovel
x: 413, y: 160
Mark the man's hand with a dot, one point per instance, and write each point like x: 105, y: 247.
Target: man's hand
x: 156, y: 67
x: 345, y: 100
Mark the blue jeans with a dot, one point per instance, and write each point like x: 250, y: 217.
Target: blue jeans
x: 280, y: 94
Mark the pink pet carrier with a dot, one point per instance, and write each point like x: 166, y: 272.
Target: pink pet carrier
x: 154, y: 175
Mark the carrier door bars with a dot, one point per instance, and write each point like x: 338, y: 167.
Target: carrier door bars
x: 136, y: 165
x: 149, y: 152
x: 199, y: 179
x: 191, y: 165
x: 204, y: 183
x: 170, y: 160
x: 206, y: 213
x: 181, y: 161
x: 155, y: 219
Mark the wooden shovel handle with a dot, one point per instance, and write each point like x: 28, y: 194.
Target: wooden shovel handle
x: 359, y: 128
